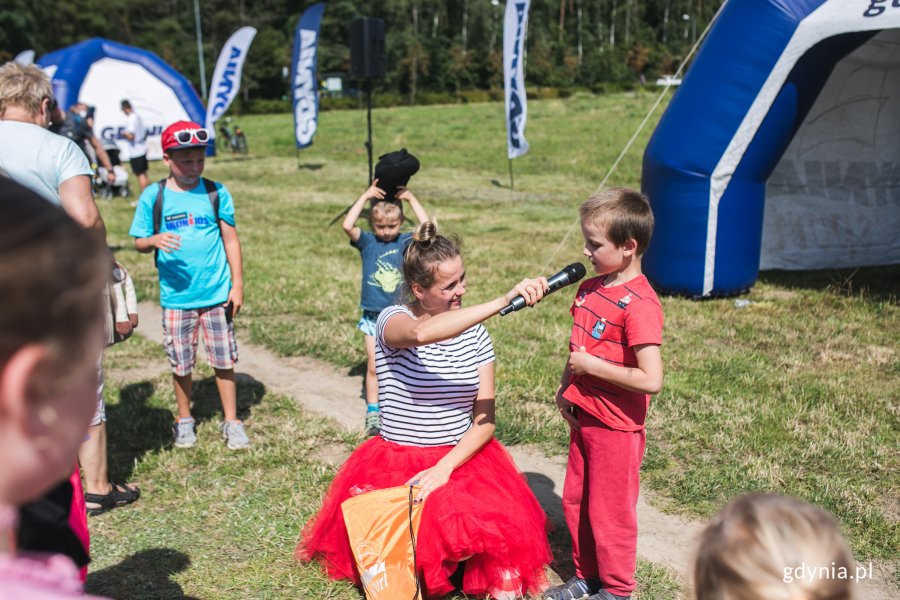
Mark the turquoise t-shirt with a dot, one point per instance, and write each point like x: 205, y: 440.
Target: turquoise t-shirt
x: 197, y: 274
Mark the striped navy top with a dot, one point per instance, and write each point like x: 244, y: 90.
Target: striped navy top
x: 426, y: 393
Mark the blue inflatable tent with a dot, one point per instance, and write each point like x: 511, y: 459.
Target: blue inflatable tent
x: 102, y: 73
x: 781, y: 149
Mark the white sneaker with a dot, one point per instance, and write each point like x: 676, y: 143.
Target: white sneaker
x: 233, y: 433
x: 185, y: 436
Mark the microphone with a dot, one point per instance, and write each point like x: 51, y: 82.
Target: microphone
x: 568, y: 275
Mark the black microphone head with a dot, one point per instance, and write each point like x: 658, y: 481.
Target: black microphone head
x: 567, y: 276
x: 575, y: 271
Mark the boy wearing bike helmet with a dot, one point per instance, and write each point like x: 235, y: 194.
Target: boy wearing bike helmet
x: 189, y: 222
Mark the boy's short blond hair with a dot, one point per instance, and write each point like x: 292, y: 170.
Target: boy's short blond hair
x: 761, y: 546
x: 385, y: 208
x: 25, y: 86
x: 623, y: 213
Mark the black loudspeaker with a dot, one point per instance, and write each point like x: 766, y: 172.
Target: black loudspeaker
x: 367, y: 60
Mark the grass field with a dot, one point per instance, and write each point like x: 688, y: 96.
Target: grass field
x: 796, y: 393
x: 214, y: 524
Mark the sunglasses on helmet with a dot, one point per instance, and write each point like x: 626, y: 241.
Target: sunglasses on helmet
x: 185, y: 136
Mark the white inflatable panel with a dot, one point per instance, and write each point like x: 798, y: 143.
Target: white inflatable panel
x: 834, y: 198
x: 109, y: 81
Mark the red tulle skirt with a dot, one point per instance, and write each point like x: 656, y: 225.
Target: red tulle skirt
x: 78, y: 516
x: 486, y: 515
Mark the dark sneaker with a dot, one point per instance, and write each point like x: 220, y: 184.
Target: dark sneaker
x: 574, y: 589
x: 373, y: 423
x: 185, y: 437
x: 233, y: 433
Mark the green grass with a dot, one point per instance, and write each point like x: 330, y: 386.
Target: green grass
x: 211, y: 523
x: 797, y: 393
x: 216, y: 524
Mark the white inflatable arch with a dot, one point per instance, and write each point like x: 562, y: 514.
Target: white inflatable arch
x: 781, y: 149
x: 102, y: 73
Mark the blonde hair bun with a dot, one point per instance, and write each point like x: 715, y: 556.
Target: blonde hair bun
x: 425, y: 234
x: 425, y: 252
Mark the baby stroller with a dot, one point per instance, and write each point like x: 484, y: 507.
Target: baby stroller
x: 102, y: 186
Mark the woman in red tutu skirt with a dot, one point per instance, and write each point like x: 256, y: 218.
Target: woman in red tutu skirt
x: 435, y: 366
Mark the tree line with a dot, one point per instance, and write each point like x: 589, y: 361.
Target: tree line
x: 432, y: 45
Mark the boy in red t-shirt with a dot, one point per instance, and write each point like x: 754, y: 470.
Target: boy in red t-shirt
x: 614, y: 366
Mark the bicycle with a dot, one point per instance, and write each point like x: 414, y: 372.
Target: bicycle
x: 232, y: 138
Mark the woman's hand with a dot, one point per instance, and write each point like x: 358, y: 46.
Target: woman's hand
x: 532, y: 290
x: 123, y: 328
x: 430, y: 480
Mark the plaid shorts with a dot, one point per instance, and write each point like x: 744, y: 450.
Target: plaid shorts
x: 181, y: 329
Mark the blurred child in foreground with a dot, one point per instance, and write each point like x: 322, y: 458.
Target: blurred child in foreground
x: 770, y: 547
x: 52, y: 277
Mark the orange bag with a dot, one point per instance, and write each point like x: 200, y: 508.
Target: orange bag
x: 382, y: 526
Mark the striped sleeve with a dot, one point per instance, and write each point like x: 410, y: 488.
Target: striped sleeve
x: 384, y: 317
x: 485, y: 347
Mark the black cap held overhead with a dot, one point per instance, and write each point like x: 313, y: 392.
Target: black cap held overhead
x: 394, y: 170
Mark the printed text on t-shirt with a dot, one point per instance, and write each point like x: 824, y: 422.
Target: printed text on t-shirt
x: 182, y: 220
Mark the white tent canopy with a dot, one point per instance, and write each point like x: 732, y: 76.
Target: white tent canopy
x: 102, y: 73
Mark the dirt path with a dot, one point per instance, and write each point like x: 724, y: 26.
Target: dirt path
x: 321, y: 389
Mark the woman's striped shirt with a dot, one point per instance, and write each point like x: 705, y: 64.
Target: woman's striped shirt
x: 426, y: 393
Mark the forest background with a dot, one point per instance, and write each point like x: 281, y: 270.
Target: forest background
x: 437, y: 50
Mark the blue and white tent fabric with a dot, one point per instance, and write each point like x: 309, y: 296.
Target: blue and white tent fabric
x: 102, y: 73
x: 780, y: 148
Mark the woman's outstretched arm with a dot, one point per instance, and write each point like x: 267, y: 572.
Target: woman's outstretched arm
x: 403, y: 331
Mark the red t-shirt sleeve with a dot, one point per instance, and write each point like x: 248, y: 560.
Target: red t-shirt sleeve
x: 643, y: 323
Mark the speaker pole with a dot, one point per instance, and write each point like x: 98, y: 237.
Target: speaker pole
x: 369, y: 123
x: 367, y: 63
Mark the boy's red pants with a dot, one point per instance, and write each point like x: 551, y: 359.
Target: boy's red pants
x: 600, y: 502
